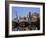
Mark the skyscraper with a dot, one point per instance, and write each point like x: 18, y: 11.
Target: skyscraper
x: 29, y: 17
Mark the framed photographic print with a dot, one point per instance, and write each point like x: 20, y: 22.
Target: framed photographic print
x: 25, y: 18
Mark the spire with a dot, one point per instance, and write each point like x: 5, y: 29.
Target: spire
x: 16, y: 16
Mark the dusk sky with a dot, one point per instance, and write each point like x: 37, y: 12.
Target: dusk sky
x: 23, y: 11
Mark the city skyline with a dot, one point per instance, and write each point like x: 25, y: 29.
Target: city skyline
x: 23, y: 11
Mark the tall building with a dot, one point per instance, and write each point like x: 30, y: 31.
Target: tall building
x: 29, y: 17
x: 16, y: 15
